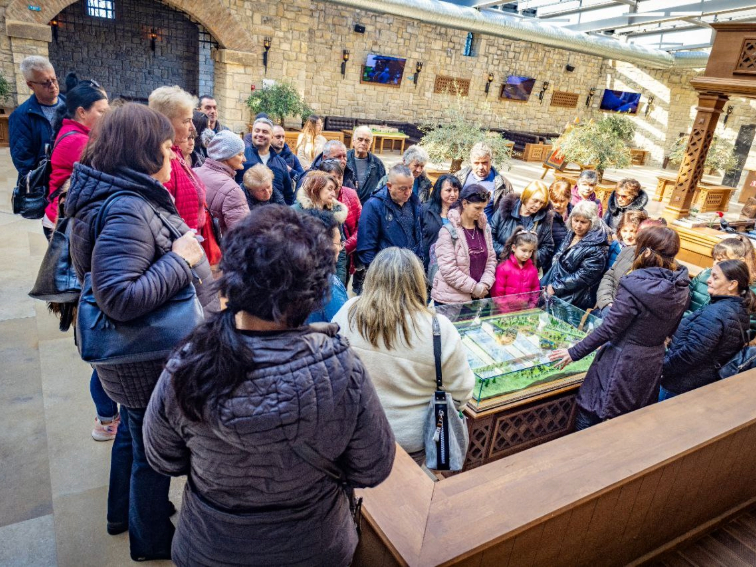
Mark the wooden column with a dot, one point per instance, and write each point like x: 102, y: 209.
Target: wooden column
x: 692, y: 167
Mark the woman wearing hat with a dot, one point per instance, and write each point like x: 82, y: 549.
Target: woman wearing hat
x: 225, y: 198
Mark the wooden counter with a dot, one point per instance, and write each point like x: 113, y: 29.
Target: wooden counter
x: 615, y: 494
x: 696, y: 244
x: 708, y: 197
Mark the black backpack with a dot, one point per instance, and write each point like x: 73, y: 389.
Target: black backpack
x: 30, y: 195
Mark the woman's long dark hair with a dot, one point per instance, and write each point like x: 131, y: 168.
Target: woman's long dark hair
x: 82, y: 95
x: 662, y: 243
x: 435, y: 204
x: 737, y: 271
x: 276, y: 266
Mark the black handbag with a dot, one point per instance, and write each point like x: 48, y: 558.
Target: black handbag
x: 745, y: 359
x: 29, y: 197
x: 56, y: 280
x: 150, y: 337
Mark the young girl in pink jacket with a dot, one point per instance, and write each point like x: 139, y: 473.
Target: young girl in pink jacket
x: 516, y: 285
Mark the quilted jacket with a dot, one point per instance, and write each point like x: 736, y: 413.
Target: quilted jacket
x: 225, y: 198
x: 250, y: 500
x: 187, y: 190
x: 67, y: 152
x: 516, y: 288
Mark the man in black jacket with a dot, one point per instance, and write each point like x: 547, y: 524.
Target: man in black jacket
x: 261, y: 152
x: 367, y: 167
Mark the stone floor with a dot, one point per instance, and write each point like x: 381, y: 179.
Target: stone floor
x: 53, y: 476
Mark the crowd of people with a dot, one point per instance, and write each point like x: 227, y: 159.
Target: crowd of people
x: 286, y: 364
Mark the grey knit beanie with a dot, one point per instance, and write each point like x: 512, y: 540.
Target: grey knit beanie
x: 225, y: 145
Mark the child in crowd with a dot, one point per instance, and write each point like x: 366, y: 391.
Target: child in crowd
x: 627, y: 233
x: 517, y: 285
x: 585, y: 188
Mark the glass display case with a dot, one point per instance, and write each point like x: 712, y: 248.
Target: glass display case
x: 509, y: 339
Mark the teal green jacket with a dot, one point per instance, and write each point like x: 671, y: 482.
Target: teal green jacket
x: 699, y: 297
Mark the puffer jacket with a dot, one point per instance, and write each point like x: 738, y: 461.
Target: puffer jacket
x: 607, y: 289
x: 576, y: 270
x: 559, y: 232
x: 516, y: 287
x: 507, y: 218
x: 576, y: 198
x: 250, y: 499
x: 225, y: 198
x: 700, y: 298
x: 452, y: 283
x: 341, y: 214
x: 703, y: 343
x: 187, y: 191
x: 614, y: 212
x: 133, y: 268
x: 502, y: 187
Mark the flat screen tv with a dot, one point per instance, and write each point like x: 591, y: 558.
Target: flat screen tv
x: 517, y: 88
x: 383, y: 70
x: 620, y: 101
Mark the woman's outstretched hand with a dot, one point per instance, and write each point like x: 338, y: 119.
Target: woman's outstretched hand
x: 562, y: 356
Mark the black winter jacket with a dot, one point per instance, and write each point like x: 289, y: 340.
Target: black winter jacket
x: 576, y: 271
x: 703, y: 343
x: 250, y: 499
x: 133, y: 269
x: 376, y: 171
x: 349, y: 178
x: 507, y: 218
x: 614, y: 212
x: 559, y: 232
x: 432, y: 223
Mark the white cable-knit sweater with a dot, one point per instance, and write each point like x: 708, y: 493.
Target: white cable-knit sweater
x: 405, y: 377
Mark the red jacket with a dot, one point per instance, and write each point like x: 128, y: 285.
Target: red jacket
x: 349, y: 197
x: 188, y: 191
x: 511, y: 280
x: 63, y: 158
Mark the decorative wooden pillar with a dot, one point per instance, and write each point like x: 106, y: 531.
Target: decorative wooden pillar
x: 692, y: 167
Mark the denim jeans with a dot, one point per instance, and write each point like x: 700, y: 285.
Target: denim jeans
x: 584, y: 420
x: 106, y: 408
x: 137, y: 494
x: 665, y: 394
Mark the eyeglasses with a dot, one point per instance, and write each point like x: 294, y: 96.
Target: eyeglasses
x: 50, y: 83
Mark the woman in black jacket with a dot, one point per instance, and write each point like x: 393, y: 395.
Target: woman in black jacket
x: 711, y: 336
x: 580, y: 262
x: 445, y: 193
x: 135, y: 268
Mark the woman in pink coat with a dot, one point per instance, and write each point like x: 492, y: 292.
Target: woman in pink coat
x: 464, y: 251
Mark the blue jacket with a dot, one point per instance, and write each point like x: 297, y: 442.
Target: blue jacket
x: 338, y: 297
x: 379, y: 227
x: 292, y: 161
x: 29, y: 132
x: 281, y: 179
x: 614, y: 250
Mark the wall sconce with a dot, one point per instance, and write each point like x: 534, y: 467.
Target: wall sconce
x: 591, y: 94
x: 344, y: 59
x: 54, y: 26
x: 728, y: 111
x: 649, y: 104
x: 153, y: 39
x: 488, y: 84
x: 266, y: 47
x: 418, y: 68
x: 544, y: 88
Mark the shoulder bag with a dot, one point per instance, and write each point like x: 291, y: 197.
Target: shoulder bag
x: 745, y: 359
x: 149, y: 337
x: 56, y: 280
x: 445, y: 432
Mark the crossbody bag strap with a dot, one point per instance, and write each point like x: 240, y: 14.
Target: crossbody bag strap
x: 437, y: 352
x: 319, y: 462
x: 101, y: 215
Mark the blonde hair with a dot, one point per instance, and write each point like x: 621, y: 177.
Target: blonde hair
x: 309, y: 131
x: 393, y: 295
x: 737, y: 248
x: 170, y: 101
x: 536, y: 188
x: 258, y: 176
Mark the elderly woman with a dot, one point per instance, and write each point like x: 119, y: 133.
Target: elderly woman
x: 650, y: 302
x: 415, y: 158
x: 435, y: 212
x: 225, y: 198
x: 258, y: 187
x: 627, y: 196
x: 464, y: 251
x: 482, y: 172
x: 530, y: 210
x: 391, y: 329
x: 254, y: 398
x: 135, y: 267
x: 580, y: 262
x: 585, y: 190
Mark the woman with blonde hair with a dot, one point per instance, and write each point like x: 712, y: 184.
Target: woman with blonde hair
x: 258, y: 187
x: 530, y: 210
x: 310, y: 142
x: 391, y: 328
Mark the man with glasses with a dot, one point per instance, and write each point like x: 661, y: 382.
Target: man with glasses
x: 31, y: 123
x: 367, y: 167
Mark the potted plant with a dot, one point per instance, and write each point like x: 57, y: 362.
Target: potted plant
x: 599, y: 144
x: 719, y: 158
x: 6, y: 90
x: 278, y: 101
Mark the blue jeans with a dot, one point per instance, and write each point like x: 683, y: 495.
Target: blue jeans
x: 106, y: 408
x: 137, y: 494
x: 665, y: 394
x: 584, y: 420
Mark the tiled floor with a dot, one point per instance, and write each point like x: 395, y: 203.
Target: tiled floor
x: 53, y: 477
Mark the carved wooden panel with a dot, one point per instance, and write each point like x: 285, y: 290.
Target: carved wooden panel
x: 692, y: 167
x: 564, y: 99
x: 746, y: 64
x: 451, y: 85
x: 480, y: 437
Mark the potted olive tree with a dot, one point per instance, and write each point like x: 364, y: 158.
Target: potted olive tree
x: 601, y: 144
x: 278, y: 101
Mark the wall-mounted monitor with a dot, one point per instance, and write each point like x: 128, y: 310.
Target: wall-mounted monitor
x: 620, y: 101
x: 517, y: 88
x: 383, y: 70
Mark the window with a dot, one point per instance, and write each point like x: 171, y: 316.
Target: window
x: 101, y: 9
x: 469, y: 45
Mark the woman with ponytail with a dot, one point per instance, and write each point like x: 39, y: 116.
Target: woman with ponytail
x: 86, y: 102
x: 712, y: 335
x: 249, y: 391
x: 649, y: 304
